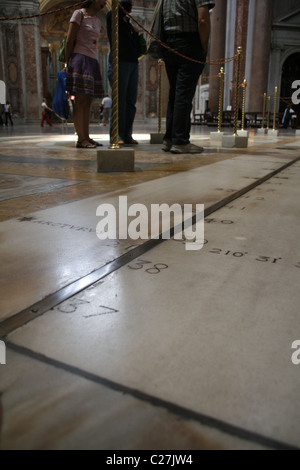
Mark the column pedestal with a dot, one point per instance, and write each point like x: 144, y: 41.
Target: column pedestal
x: 156, y: 138
x: 234, y: 141
x: 115, y: 160
x: 216, y: 137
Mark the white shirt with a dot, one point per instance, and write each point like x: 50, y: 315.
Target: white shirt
x: 107, y: 102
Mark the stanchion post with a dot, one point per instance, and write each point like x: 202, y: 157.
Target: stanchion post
x: 268, y: 119
x: 115, y: 76
x: 158, y: 137
x: 244, y: 104
x: 236, y: 140
x: 275, y: 104
x: 114, y: 158
x: 221, y: 94
x: 160, y: 66
x: 237, y: 90
x: 264, y: 111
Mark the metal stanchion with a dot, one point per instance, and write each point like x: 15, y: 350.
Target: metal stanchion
x: 237, y: 90
x: 268, y: 115
x: 264, y: 111
x: 237, y: 139
x: 115, y: 75
x: 217, y: 136
x: 160, y: 65
x: 221, y: 94
x: 262, y: 129
x: 274, y: 115
x: 157, y: 138
x: 273, y: 132
x: 115, y: 158
x: 244, y: 104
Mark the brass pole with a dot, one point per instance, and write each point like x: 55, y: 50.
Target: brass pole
x: 160, y: 65
x: 237, y: 91
x: 244, y: 103
x: 269, y: 104
x: 221, y: 93
x: 275, y: 103
x: 115, y: 75
x: 264, y: 111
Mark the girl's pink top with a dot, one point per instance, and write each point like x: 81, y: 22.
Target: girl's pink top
x: 88, y: 34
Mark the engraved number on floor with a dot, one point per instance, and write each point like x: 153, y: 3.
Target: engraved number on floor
x: 152, y: 269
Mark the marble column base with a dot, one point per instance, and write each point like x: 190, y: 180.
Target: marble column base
x: 231, y: 141
x: 216, y: 136
x: 156, y: 138
x: 272, y: 133
x: 243, y: 133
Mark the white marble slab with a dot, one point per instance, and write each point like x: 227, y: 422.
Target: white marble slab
x: 49, y: 249
x: 47, y: 408
x: 209, y: 331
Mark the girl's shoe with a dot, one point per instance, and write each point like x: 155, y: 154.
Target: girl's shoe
x: 85, y: 144
x: 91, y: 141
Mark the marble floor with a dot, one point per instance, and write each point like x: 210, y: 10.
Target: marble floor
x: 149, y: 343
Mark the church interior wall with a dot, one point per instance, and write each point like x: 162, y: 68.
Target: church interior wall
x: 29, y: 51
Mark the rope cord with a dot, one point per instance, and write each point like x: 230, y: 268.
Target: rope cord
x: 210, y: 62
x: 37, y: 15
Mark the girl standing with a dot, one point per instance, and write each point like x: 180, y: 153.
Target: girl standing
x: 84, y: 79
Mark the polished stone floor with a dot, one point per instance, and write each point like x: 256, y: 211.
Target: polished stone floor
x: 143, y: 344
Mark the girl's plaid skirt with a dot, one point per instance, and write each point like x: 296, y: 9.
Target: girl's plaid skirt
x: 83, y: 76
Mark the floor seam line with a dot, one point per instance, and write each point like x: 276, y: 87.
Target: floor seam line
x: 178, y: 410
x: 39, y: 308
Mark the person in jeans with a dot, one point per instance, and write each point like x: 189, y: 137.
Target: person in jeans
x: 186, y: 30
x: 128, y: 72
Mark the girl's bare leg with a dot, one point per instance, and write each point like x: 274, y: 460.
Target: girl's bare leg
x: 82, y: 115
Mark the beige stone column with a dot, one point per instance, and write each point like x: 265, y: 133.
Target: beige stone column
x: 260, y: 53
x: 217, y: 50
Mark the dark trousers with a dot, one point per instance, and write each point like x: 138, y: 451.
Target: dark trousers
x: 183, y: 76
x: 128, y: 89
x: 8, y: 117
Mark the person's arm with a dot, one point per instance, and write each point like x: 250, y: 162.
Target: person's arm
x: 71, y: 38
x: 204, y: 26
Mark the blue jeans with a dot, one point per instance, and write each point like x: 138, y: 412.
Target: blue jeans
x: 128, y: 89
x: 183, y: 76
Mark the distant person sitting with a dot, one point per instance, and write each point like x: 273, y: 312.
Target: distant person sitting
x: 287, y: 116
x: 207, y: 115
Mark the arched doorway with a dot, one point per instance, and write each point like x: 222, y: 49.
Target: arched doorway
x: 290, y: 73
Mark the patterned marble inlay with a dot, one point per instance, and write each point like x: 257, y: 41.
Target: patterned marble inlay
x: 14, y: 186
